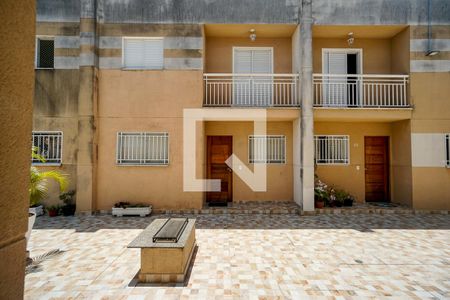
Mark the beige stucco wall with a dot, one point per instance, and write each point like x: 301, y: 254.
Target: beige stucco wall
x: 401, y: 188
x: 431, y: 188
x: 348, y: 177
x: 219, y: 53
x: 430, y: 94
x: 16, y: 94
x: 146, y: 101
x: 279, y: 176
x: 400, y: 52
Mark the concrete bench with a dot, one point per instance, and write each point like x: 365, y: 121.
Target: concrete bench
x: 165, y: 258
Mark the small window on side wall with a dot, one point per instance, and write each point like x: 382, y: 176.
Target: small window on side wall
x: 143, y: 53
x: 48, y: 144
x: 447, y: 148
x: 45, y: 53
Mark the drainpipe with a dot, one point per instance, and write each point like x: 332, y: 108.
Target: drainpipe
x: 307, y: 114
x: 430, y: 52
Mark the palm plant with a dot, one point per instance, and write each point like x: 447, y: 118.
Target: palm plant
x: 39, y: 180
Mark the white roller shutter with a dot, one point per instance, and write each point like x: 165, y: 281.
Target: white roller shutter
x: 335, y: 89
x: 335, y: 63
x: 143, y: 53
x: 252, y: 91
x: 262, y: 61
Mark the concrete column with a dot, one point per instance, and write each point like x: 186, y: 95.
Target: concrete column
x: 17, y: 43
x: 296, y: 124
x: 86, y: 101
x: 307, y: 116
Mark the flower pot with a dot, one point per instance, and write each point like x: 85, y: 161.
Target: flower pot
x: 52, y: 213
x: 319, y: 204
x: 37, y: 210
x: 31, y: 220
x: 68, y: 210
x: 131, y: 211
x: 348, y: 202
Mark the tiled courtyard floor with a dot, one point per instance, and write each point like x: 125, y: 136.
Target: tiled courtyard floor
x: 251, y: 256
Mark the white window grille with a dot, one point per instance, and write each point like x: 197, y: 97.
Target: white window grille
x: 269, y: 149
x: 143, y: 53
x: 447, y: 152
x: 45, y: 52
x: 49, y: 145
x: 331, y: 149
x: 142, y: 148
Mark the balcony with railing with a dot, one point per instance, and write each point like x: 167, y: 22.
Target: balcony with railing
x: 250, y: 90
x: 357, y: 90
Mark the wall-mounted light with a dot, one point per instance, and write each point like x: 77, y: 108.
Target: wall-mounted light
x: 350, y: 39
x: 252, y: 35
x: 431, y: 52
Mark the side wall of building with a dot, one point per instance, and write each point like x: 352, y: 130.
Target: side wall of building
x: 430, y: 92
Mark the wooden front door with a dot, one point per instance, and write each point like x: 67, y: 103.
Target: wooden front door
x: 377, y: 168
x: 219, y: 148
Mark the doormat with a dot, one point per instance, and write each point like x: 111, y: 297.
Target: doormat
x: 383, y: 204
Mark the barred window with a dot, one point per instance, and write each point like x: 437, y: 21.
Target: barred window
x: 48, y: 144
x: 447, y: 148
x: 143, y: 53
x: 331, y: 149
x: 142, y: 148
x: 269, y: 149
x: 45, y: 52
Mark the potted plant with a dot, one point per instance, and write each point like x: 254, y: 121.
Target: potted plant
x: 53, y: 210
x: 39, y: 186
x: 338, y: 197
x: 320, y: 194
x: 69, y: 203
x: 124, y: 208
x: 348, y: 200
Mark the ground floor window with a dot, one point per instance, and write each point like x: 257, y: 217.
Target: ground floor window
x: 47, y: 144
x: 142, y: 148
x: 331, y: 149
x: 269, y: 149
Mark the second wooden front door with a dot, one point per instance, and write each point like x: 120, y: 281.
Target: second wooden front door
x: 219, y: 148
x: 377, y: 168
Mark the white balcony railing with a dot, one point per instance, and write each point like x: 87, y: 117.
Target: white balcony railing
x: 251, y: 90
x: 356, y: 90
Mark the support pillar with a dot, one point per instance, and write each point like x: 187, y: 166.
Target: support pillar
x: 17, y: 46
x: 307, y: 114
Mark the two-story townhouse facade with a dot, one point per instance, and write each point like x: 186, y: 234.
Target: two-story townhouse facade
x: 354, y: 93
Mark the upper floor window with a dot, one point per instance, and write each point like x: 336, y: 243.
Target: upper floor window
x: 447, y: 148
x: 48, y: 144
x: 45, y: 52
x: 143, y: 53
x: 269, y: 149
x: 142, y: 148
x: 331, y: 149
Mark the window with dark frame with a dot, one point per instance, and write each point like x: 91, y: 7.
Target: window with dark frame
x: 447, y: 148
x: 45, y: 56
